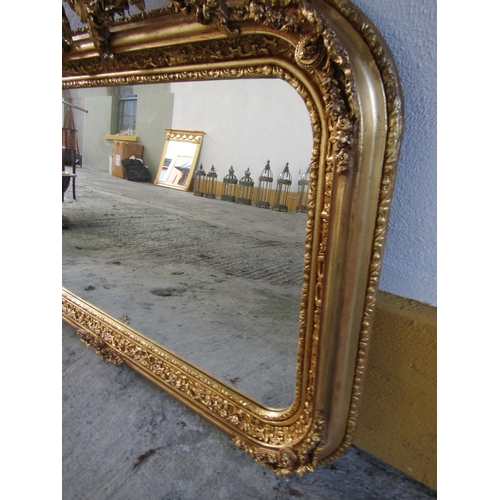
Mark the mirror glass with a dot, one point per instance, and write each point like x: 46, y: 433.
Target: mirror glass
x: 217, y: 282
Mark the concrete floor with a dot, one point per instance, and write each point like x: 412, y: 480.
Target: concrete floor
x: 124, y: 438
x: 218, y: 283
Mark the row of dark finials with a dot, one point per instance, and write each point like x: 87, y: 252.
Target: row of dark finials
x: 241, y: 191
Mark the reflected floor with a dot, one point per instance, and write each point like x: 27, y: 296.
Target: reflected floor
x: 216, y: 282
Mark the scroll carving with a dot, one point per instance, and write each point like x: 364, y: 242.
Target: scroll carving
x: 207, y: 11
x: 310, y: 52
x: 99, y: 15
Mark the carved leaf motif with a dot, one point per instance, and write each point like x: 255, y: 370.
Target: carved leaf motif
x: 99, y: 15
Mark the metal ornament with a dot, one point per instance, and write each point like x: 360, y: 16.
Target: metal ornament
x: 303, y: 190
x: 245, y: 189
x: 265, y: 187
x: 283, y: 189
x: 229, y: 185
x: 211, y: 183
x: 199, y: 181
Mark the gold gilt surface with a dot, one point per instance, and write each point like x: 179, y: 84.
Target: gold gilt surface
x: 179, y: 135
x: 298, y: 43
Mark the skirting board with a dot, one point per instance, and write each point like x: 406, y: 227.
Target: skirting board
x: 397, y: 421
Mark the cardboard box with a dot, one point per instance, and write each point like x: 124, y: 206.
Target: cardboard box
x: 122, y: 150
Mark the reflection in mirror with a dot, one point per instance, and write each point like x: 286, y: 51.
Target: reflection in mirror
x: 178, y: 160
x: 219, y: 283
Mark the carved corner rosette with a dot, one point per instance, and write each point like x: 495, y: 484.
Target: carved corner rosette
x: 285, y: 460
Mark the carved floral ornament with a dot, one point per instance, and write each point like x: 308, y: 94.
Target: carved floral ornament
x: 287, y: 16
x: 295, y: 41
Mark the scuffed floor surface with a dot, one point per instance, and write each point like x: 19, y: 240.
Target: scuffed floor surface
x: 125, y: 439
x: 218, y: 283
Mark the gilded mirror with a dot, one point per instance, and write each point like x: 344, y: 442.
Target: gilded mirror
x: 336, y: 61
x: 179, y: 158
x: 219, y: 283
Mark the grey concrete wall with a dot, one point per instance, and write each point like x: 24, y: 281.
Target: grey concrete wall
x: 154, y: 115
x: 94, y: 149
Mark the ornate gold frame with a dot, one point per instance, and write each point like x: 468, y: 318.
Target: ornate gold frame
x: 336, y: 60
